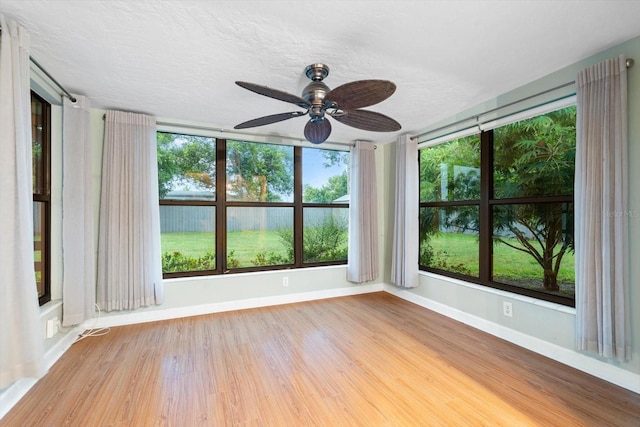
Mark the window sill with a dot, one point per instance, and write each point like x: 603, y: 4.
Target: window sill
x: 49, y: 307
x: 513, y: 296
x: 253, y: 273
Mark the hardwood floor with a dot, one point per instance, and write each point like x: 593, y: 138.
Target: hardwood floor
x: 366, y: 360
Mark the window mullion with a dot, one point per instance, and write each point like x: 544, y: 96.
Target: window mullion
x: 486, y: 193
x: 297, y: 210
x: 221, y: 205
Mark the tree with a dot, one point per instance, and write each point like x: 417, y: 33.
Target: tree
x: 536, y: 157
x: 185, y: 161
x: 259, y: 172
x: 336, y: 187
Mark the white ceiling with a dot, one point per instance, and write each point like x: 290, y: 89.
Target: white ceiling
x: 178, y: 60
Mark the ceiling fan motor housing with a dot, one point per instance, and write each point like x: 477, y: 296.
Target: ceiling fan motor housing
x: 314, y: 94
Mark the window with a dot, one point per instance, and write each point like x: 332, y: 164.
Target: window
x: 230, y: 206
x: 41, y: 143
x: 188, y: 206
x: 325, y: 195
x: 497, y: 208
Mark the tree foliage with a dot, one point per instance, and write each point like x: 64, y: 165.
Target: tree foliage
x: 255, y: 172
x: 185, y: 162
x: 259, y: 172
x: 336, y: 187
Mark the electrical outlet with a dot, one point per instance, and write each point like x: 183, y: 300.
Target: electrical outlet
x: 507, y: 309
x: 52, y: 327
x: 285, y: 281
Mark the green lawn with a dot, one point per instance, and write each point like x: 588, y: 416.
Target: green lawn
x: 244, y: 244
x: 508, y: 261
x: 452, y: 251
x: 459, y: 252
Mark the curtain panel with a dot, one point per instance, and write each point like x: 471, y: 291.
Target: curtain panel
x: 363, y: 215
x: 129, y: 259
x: 79, y: 271
x: 601, y: 193
x: 21, y: 347
x: 404, y: 258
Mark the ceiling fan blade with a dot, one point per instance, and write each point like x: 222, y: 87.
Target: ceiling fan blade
x: 317, y: 132
x: 361, y: 93
x: 367, y: 120
x: 274, y: 93
x: 266, y: 120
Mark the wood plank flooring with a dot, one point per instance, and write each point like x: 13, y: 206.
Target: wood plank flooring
x: 366, y: 360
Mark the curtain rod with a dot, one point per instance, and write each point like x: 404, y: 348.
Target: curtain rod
x: 66, y: 92
x: 46, y: 73
x: 263, y: 135
x: 221, y: 130
x: 629, y: 64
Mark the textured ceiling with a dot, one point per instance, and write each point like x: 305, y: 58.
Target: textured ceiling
x: 178, y: 60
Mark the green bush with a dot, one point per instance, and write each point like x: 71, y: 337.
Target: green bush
x: 232, y: 261
x: 325, y: 242
x: 176, y: 262
x: 271, y: 258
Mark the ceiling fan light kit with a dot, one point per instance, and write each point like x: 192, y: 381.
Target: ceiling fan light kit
x: 343, y: 103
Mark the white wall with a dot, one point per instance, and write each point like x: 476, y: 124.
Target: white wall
x: 536, y: 322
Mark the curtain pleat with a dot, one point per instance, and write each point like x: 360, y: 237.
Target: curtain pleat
x: 79, y: 271
x: 404, y: 261
x: 363, y: 216
x: 129, y: 259
x: 21, y: 347
x: 601, y: 192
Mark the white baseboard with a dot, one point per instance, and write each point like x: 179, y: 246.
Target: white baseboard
x: 175, y: 313
x: 16, y: 391
x: 582, y: 362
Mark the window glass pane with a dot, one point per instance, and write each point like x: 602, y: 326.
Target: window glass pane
x: 38, y: 144
x: 259, y: 236
x: 325, y: 176
x: 325, y: 234
x: 451, y: 171
x: 536, y: 157
x: 188, y: 238
x: 259, y: 172
x: 449, y: 239
x: 186, y: 167
x: 533, y: 247
x: 39, y: 245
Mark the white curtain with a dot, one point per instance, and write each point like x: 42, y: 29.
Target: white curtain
x: 601, y: 226
x: 21, y: 347
x: 363, y: 215
x: 404, y: 258
x: 78, y: 286
x: 129, y: 260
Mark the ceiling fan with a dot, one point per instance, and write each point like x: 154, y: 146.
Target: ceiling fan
x: 343, y: 104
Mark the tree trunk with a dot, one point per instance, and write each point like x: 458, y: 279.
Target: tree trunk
x: 263, y: 188
x: 550, y: 282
